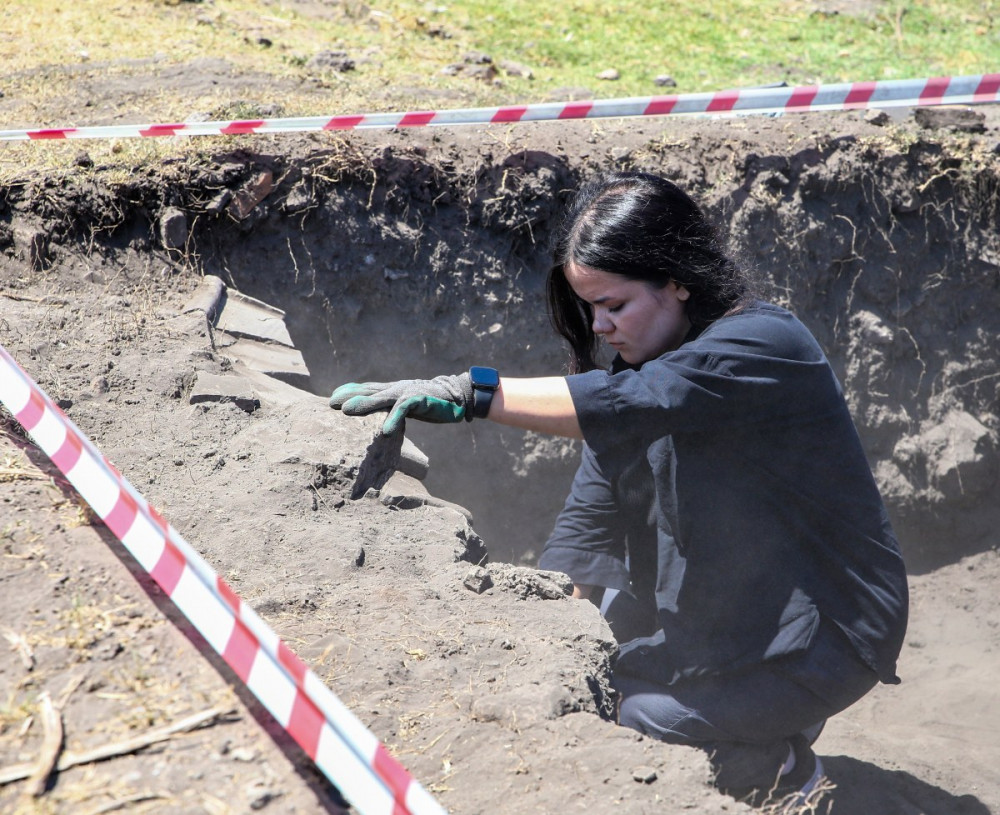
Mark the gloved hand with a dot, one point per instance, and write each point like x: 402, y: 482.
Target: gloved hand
x: 442, y: 399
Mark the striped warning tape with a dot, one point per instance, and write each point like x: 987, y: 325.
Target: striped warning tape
x: 347, y: 753
x: 977, y: 89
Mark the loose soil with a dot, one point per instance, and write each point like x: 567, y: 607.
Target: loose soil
x: 417, y: 253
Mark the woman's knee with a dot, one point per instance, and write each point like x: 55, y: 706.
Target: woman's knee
x: 651, y: 711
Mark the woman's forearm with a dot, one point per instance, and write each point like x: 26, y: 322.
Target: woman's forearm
x: 542, y: 404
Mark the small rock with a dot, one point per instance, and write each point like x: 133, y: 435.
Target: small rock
x: 33, y: 246
x: 359, y: 558
x: 665, y: 81
x: 478, y: 580
x: 512, y: 68
x: 217, y: 204
x: 298, y: 199
x: 610, y: 75
x: 246, y: 199
x: 173, y: 228
x: 879, y: 118
x: 477, y: 58
x: 332, y: 61
x: 212, y: 388
x: 99, y: 384
x: 644, y: 775
x: 83, y: 159
x: 244, y: 754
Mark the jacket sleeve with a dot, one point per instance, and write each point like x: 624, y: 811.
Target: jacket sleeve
x: 588, y: 542
x: 744, y: 370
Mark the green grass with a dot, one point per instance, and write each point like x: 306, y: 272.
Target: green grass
x: 725, y: 44
x: 52, y: 51
x: 703, y: 45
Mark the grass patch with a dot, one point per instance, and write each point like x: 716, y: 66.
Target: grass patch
x: 404, y: 44
x: 98, y: 62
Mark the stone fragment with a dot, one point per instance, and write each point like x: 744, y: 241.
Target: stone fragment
x: 878, y: 118
x: 404, y: 492
x: 644, y: 775
x: 206, y: 297
x: 477, y: 579
x: 279, y: 361
x: 243, y: 316
x: 217, y: 204
x: 173, y: 227
x: 298, y: 199
x: 337, y: 61
x: 665, y: 81
x: 518, y: 69
x: 609, y: 75
x: 246, y: 199
x: 413, y: 461
x: 212, y: 388
x: 961, y: 456
x: 32, y: 244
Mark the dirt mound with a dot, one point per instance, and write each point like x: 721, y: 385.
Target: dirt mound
x: 399, y: 255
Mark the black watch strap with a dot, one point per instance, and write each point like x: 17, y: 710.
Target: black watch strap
x: 485, y: 382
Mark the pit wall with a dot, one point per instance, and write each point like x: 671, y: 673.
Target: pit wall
x: 398, y: 258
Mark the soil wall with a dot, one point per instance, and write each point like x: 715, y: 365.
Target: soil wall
x: 413, y: 255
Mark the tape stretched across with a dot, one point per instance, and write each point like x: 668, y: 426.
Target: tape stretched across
x: 347, y: 753
x: 940, y: 90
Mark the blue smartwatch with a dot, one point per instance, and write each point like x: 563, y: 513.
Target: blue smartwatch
x: 485, y: 382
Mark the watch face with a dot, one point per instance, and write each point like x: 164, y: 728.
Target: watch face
x: 486, y: 378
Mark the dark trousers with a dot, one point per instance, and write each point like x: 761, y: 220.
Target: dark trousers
x: 743, y: 719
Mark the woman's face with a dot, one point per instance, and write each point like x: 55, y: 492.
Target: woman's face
x: 637, y: 319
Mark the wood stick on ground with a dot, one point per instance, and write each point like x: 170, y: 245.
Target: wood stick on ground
x: 19, y: 644
x: 121, y: 748
x: 52, y: 744
x: 123, y: 803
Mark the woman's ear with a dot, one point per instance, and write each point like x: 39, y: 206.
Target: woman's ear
x: 682, y: 292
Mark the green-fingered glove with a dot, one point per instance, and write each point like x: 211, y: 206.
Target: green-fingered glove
x: 442, y: 399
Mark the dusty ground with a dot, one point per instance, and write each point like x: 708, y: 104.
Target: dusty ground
x: 415, y: 254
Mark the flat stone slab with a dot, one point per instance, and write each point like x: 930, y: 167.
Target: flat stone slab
x: 244, y: 316
x: 213, y: 388
x: 278, y: 361
x: 405, y: 492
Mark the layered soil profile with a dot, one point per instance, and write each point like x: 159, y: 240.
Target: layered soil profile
x: 407, y: 257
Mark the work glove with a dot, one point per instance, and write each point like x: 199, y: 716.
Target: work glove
x: 440, y: 400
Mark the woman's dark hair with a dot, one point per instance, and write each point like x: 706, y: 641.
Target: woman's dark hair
x: 641, y: 227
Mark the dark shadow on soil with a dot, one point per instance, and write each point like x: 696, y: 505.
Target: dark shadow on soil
x: 863, y: 788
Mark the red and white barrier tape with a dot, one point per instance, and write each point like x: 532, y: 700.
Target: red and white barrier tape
x: 347, y: 753
x: 955, y: 90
